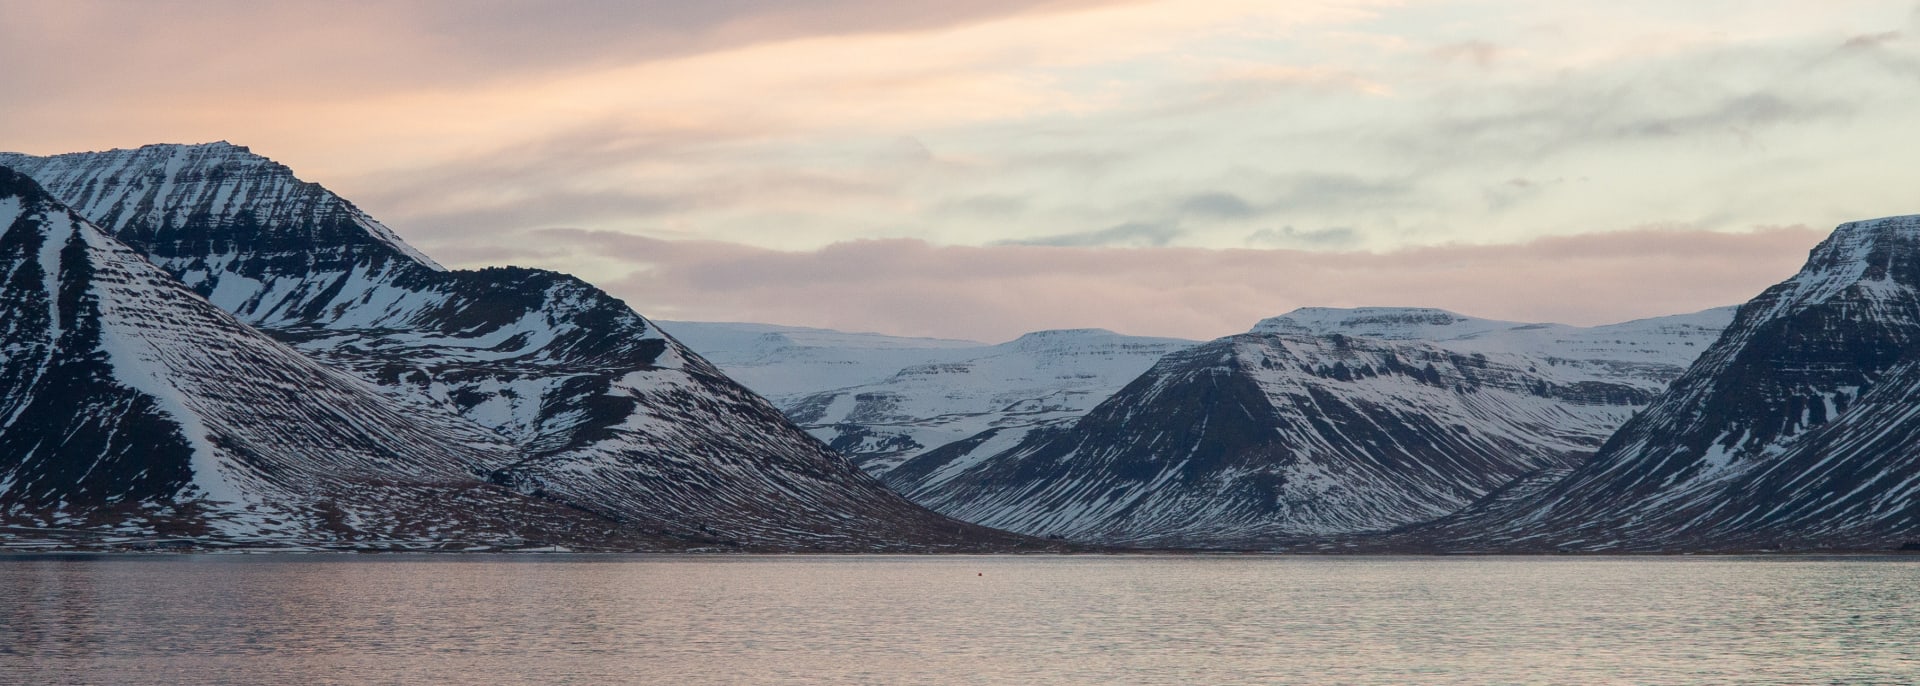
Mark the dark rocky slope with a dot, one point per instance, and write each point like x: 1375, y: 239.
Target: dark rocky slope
x: 602, y: 411
x: 134, y: 408
x: 1798, y: 429
x: 1298, y: 431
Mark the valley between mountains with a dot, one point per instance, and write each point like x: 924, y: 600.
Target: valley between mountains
x: 200, y: 350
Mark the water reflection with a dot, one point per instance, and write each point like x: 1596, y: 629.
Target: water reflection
x: 503, y: 619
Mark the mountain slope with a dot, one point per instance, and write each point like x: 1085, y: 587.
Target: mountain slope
x: 1797, y: 428
x: 605, y: 412
x: 132, y: 405
x: 1295, y: 431
x: 783, y: 362
x: 882, y: 400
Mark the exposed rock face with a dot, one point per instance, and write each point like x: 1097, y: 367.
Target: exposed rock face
x: 600, y: 410
x: 1299, y: 430
x: 1797, y: 429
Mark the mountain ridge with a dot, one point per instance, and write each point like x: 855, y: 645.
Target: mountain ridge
x: 607, y: 413
x: 882, y: 400
x: 150, y: 412
x: 1803, y: 406
x: 1298, y: 432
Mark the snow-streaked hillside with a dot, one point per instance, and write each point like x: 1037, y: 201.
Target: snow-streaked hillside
x: 1303, y: 428
x: 1797, y: 429
x: 1653, y: 350
x: 133, y: 407
x: 605, y: 413
x: 883, y: 400
x: 782, y: 362
x: 1387, y: 323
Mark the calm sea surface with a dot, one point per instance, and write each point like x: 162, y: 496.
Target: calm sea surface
x: 990, y: 620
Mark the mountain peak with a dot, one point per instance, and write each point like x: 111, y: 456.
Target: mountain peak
x: 1392, y: 323
x: 1060, y: 334
x: 14, y: 184
x: 1872, y: 260
x: 1054, y: 341
x: 1862, y: 241
x: 565, y: 393
x: 211, y: 146
x: 194, y: 154
x: 126, y: 396
x: 1794, y: 428
x: 1905, y: 222
x: 176, y: 195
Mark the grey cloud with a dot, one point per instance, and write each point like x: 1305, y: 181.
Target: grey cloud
x: 1287, y: 236
x: 560, y: 206
x: 1748, y: 110
x: 465, y: 252
x: 1480, y: 53
x: 1292, y: 193
x: 1133, y: 234
x: 427, y: 44
x: 1505, y: 195
x: 1887, y: 50
x: 582, y: 152
x: 987, y: 205
x: 914, y: 288
x: 1562, y: 117
x: 1742, y: 93
x: 1871, y: 40
x: 1086, y: 162
x: 583, y: 29
x: 539, y: 211
x: 902, y: 154
x: 552, y: 181
x: 1232, y: 90
x: 1225, y: 205
x: 1283, y: 194
x: 1286, y: 194
x: 1333, y: 191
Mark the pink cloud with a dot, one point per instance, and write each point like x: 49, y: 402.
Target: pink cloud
x: 910, y: 287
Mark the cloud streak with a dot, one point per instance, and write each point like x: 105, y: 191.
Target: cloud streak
x: 1216, y: 161
x: 434, y: 44
x: 909, y: 287
x: 1130, y: 234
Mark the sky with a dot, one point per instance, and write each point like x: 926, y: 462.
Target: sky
x: 981, y: 169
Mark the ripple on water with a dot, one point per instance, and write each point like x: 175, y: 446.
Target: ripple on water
x: 849, y: 619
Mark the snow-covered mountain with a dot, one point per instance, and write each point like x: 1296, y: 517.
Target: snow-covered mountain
x: 882, y: 400
x: 784, y: 362
x: 134, y: 407
x: 604, y: 412
x: 1388, y: 323
x: 1797, y: 429
x: 1303, y: 428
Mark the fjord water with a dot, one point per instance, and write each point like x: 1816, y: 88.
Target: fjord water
x: 286, y: 619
